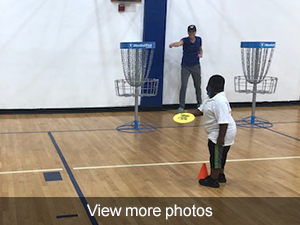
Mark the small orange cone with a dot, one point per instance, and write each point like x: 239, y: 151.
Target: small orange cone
x: 203, y: 172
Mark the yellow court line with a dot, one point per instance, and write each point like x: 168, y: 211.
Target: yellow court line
x: 182, y: 163
x: 30, y: 171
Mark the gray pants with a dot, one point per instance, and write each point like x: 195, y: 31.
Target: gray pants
x: 196, y: 75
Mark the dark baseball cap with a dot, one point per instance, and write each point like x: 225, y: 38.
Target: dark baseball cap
x: 192, y: 28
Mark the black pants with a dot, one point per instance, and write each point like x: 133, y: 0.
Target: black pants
x: 218, y: 155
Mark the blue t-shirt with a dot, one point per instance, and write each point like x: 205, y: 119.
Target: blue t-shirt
x: 191, y: 51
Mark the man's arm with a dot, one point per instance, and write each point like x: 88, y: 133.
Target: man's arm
x: 222, y: 133
x: 176, y: 44
x: 200, y: 55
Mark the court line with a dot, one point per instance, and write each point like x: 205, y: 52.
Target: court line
x: 286, y: 122
x: 182, y: 163
x: 88, y: 130
x: 73, y: 180
x: 109, y: 129
x: 23, y: 132
x: 66, y: 216
x: 63, y: 131
x: 30, y: 171
x: 277, y: 132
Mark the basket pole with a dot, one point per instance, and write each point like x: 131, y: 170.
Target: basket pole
x: 136, y: 108
x: 253, y: 103
x: 256, y: 73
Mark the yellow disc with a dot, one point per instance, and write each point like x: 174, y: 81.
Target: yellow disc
x: 184, y: 118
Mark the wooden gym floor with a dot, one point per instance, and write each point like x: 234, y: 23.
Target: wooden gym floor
x: 95, y: 159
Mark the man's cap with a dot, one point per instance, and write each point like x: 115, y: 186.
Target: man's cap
x: 192, y: 28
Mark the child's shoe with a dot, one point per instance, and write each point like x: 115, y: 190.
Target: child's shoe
x: 209, y: 182
x: 222, y: 178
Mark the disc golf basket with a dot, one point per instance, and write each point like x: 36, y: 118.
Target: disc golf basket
x: 136, y: 60
x: 256, y: 61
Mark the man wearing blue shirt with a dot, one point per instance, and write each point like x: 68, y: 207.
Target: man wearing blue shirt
x: 192, y: 51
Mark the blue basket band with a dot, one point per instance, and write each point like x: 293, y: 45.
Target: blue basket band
x: 137, y: 45
x: 257, y: 44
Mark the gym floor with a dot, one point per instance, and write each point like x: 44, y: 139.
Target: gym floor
x: 95, y: 160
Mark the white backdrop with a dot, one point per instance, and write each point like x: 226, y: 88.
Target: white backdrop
x: 63, y: 53
x: 222, y: 25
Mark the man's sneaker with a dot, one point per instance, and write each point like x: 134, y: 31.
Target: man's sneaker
x: 222, y: 178
x: 209, y: 182
x: 180, y: 110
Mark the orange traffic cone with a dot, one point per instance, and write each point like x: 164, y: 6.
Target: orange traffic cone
x: 203, y: 172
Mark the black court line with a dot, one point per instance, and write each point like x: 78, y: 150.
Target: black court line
x: 73, y: 180
x: 66, y: 216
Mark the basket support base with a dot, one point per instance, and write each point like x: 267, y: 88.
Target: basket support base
x: 136, y: 127
x: 253, y: 121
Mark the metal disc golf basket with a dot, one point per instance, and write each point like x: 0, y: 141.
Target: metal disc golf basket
x: 256, y: 61
x: 137, y: 61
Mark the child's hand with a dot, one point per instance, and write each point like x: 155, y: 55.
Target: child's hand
x: 220, y: 141
x: 197, y: 113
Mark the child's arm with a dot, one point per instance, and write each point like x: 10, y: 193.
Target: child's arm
x: 197, y: 113
x: 222, y: 114
x: 222, y: 134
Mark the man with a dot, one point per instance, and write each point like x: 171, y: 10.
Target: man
x: 220, y: 128
x: 192, y: 51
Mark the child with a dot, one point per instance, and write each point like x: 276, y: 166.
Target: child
x: 220, y: 128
